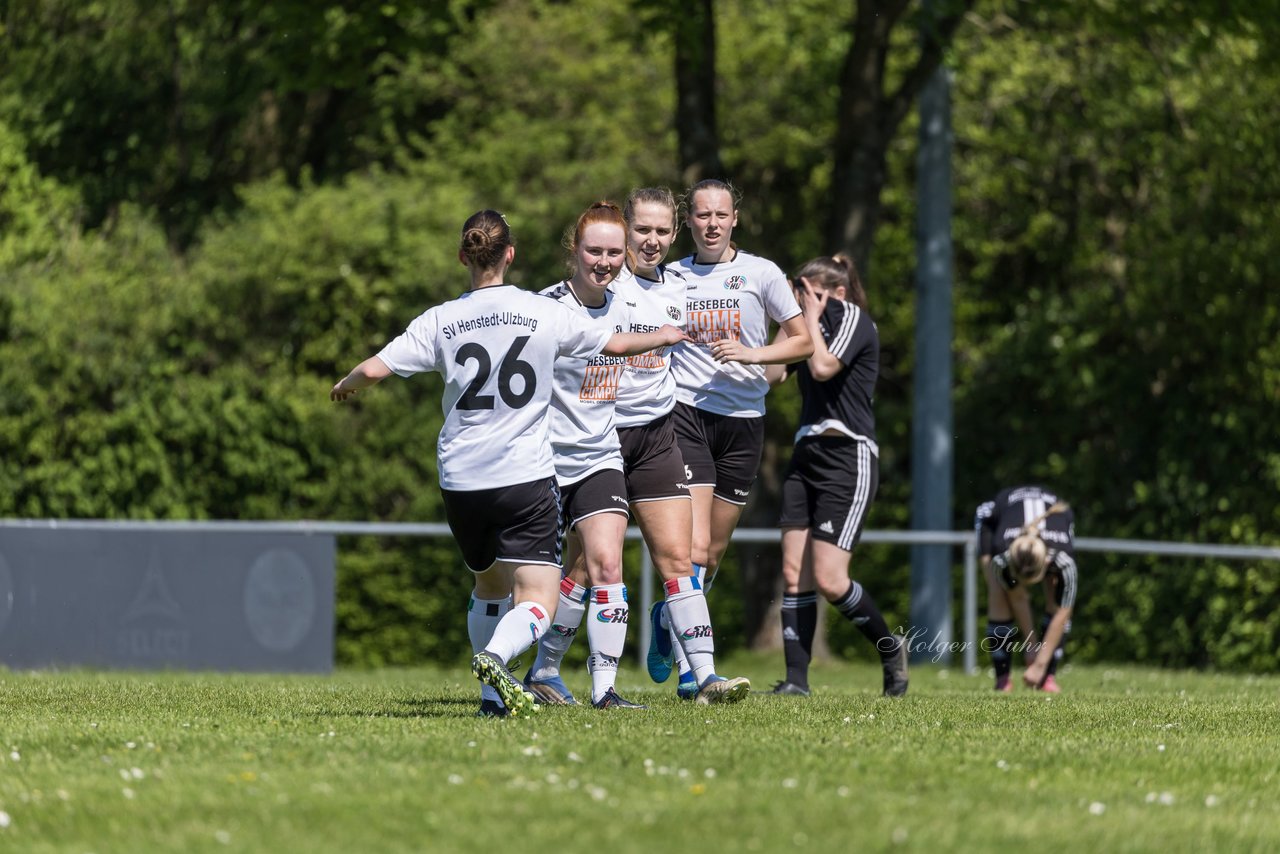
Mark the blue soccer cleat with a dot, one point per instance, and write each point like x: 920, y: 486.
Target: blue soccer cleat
x: 661, y: 656
x: 688, y: 687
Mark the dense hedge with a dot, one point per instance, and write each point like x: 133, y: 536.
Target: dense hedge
x: 166, y: 354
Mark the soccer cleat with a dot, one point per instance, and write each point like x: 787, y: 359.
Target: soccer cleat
x: 895, y: 670
x: 717, y: 689
x: 661, y: 656
x: 687, y: 689
x: 790, y: 689
x: 1050, y: 685
x: 1004, y: 684
x: 492, y: 672
x: 549, y: 692
x: 613, y: 700
x: 492, y: 709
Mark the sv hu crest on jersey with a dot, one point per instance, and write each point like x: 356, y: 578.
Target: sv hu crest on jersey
x: 735, y: 283
x: 673, y: 312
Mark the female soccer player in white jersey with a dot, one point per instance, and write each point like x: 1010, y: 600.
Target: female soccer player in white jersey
x: 587, y: 456
x: 833, y: 473
x: 731, y: 298
x: 495, y: 345
x: 655, y: 481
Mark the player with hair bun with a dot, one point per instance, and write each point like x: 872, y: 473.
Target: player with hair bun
x: 656, y: 485
x: 732, y: 297
x: 494, y: 345
x: 834, y: 472
x: 1026, y: 536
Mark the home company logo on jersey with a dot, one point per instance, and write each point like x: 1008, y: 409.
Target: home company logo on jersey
x: 711, y: 320
x: 651, y: 361
x: 600, y: 383
x: 654, y: 359
x: 735, y: 283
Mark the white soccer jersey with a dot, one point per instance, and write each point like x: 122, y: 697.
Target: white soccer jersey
x: 648, y: 390
x: 583, y: 438
x: 731, y: 299
x: 495, y: 347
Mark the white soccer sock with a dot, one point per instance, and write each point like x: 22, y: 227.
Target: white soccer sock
x: 681, y: 662
x: 607, y: 614
x: 556, y: 642
x: 483, y: 616
x: 691, y: 626
x: 520, y: 629
x: 604, y: 674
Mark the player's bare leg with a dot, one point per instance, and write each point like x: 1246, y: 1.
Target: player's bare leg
x: 1051, y: 593
x: 685, y: 612
x: 667, y: 527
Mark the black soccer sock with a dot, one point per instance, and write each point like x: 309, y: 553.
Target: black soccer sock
x: 1059, y: 649
x: 1000, y: 634
x: 860, y: 609
x: 799, y: 621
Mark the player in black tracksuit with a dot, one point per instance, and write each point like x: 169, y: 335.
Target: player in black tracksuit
x: 1025, y: 535
x: 833, y: 474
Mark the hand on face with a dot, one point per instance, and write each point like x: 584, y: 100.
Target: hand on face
x: 813, y: 298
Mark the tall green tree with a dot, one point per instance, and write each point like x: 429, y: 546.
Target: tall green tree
x: 1116, y: 337
x: 173, y: 106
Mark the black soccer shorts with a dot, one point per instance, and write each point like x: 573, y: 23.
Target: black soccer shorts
x: 603, y: 491
x: 828, y: 487
x: 518, y: 524
x: 720, y: 451
x: 652, y: 461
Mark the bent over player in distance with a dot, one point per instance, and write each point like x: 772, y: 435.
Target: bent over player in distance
x: 1027, y: 535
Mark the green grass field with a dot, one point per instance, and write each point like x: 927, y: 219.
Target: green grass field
x: 1124, y: 760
